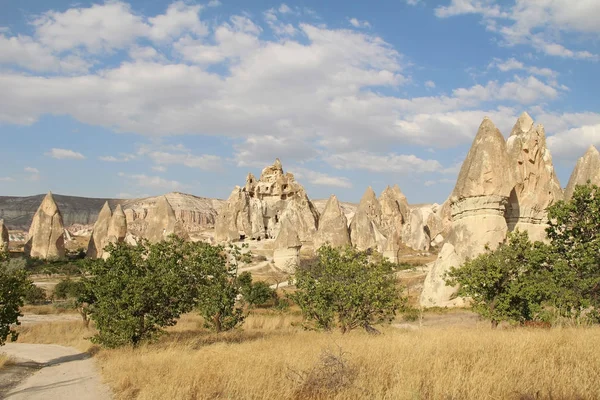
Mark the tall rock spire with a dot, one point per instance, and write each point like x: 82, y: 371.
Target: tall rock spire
x: 46, y: 234
x: 586, y: 169
x: 98, y: 240
x: 333, y: 226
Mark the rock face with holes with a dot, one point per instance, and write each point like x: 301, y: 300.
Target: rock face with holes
x: 162, y: 222
x: 333, y: 226
x: 536, y: 185
x: 586, y: 169
x: 477, y: 204
x: 286, y: 255
x: 98, y: 239
x: 4, y: 237
x: 256, y: 210
x: 46, y: 234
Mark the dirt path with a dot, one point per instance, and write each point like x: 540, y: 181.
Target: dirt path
x: 64, y: 373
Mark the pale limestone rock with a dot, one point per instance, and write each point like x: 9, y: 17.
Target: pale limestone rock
x: 394, y: 210
x: 286, y: 255
x: 333, y: 226
x: 98, y: 239
x: 438, y: 223
x: 162, y: 222
x: 365, y: 228
x: 255, y: 211
x: 4, y: 237
x: 46, y: 234
x: 393, y: 244
x: 117, y: 228
x: 435, y: 291
x: 586, y: 169
x: 537, y: 186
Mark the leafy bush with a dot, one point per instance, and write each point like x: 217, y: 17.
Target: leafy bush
x: 68, y: 289
x: 347, y: 288
x: 34, y: 295
x: 256, y: 294
x: 13, y: 286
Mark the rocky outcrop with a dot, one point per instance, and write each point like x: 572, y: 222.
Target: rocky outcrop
x: 536, y: 185
x: 333, y: 226
x: 477, y: 205
x: 394, y: 210
x: 586, y: 169
x: 46, y: 234
x: 365, y: 228
x: 161, y: 222
x: 98, y: 239
x: 256, y: 210
x: 286, y: 255
x: 415, y: 232
x: 435, y: 291
x: 4, y: 237
x: 117, y: 228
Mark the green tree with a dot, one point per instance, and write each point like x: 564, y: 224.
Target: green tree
x: 13, y: 286
x: 574, y: 233
x: 218, y: 298
x: 508, y: 284
x: 141, y: 289
x: 255, y: 293
x: 347, y: 288
x: 68, y: 288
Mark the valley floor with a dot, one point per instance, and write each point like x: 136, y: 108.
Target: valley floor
x: 447, y: 355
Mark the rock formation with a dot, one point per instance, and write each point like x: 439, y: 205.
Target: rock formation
x: 98, y: 240
x: 46, y: 234
x: 435, y: 291
x: 477, y: 204
x: 415, y: 233
x: 286, y: 255
x: 333, y: 226
x: 394, y: 210
x: 117, y: 228
x: 256, y: 210
x: 586, y: 169
x: 4, y: 237
x: 536, y: 186
x: 365, y: 228
x: 162, y: 222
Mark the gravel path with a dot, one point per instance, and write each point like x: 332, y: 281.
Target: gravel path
x: 64, y: 374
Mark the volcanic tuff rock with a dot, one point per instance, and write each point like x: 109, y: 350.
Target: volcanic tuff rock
x: 333, y: 226
x: 4, y: 237
x: 98, y: 240
x: 394, y: 210
x: 46, y: 234
x: 435, y: 291
x: 586, y: 169
x: 161, y: 222
x: 255, y: 210
x: 365, y: 228
x: 286, y: 255
x: 117, y: 228
x: 537, y: 186
x: 415, y: 233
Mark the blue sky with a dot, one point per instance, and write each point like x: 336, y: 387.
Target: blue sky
x: 128, y: 99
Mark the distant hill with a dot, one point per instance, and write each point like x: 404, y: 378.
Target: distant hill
x: 196, y: 212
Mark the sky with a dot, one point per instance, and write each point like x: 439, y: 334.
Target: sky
x: 132, y: 99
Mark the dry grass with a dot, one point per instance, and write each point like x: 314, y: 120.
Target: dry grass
x: 4, y: 360
x: 46, y: 309
x: 266, y: 359
x: 71, y: 333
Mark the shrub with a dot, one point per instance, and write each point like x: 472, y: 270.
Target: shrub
x: 13, y: 286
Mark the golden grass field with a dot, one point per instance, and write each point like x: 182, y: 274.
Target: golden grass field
x: 273, y: 358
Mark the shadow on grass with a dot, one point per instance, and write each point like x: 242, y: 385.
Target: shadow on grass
x: 195, y: 339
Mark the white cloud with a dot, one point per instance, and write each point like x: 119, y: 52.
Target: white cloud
x: 154, y: 182
x: 430, y: 84
x: 413, y: 2
x: 34, y: 174
x: 284, y: 9
x: 535, y: 23
x: 6, y: 179
x: 319, y: 178
x: 522, y: 90
x: 359, y: 24
x: 205, y: 161
x: 65, y: 154
x: 513, y: 64
x: 123, y: 157
x: 393, y: 163
x: 32, y: 170
x: 159, y: 168
x: 214, y: 3
x: 178, y: 18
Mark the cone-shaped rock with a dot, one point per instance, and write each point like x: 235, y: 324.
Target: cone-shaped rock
x: 117, y: 228
x: 481, y: 193
x: 46, y: 234
x: 435, y: 291
x: 394, y: 210
x: 536, y: 185
x: 391, y: 250
x: 415, y: 232
x: 477, y: 205
x: 365, y: 231
x: 162, y: 222
x: 286, y: 255
x: 4, y: 237
x: 233, y: 220
x: 333, y: 226
x: 586, y: 169
x: 99, y: 237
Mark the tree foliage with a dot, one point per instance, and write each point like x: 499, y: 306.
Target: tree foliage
x: 347, y: 288
x: 13, y: 285
x: 507, y: 284
x: 255, y: 293
x: 574, y: 233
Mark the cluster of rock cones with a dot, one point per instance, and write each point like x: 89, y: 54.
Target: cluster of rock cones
x: 503, y: 185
